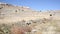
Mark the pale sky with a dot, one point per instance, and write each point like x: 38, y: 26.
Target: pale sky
x: 36, y: 4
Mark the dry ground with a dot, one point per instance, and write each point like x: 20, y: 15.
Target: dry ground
x: 23, y: 20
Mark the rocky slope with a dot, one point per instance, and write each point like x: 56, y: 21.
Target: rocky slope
x: 23, y: 20
x: 10, y: 13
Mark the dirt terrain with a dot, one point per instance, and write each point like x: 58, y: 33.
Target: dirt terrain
x: 24, y: 20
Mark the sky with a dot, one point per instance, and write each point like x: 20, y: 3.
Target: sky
x: 36, y: 4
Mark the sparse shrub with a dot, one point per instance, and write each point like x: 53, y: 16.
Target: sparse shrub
x: 50, y: 14
x: 1, y: 7
x: 15, y: 10
x: 4, y: 29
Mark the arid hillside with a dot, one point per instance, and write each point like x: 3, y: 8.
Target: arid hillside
x: 10, y: 13
x: 24, y: 20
